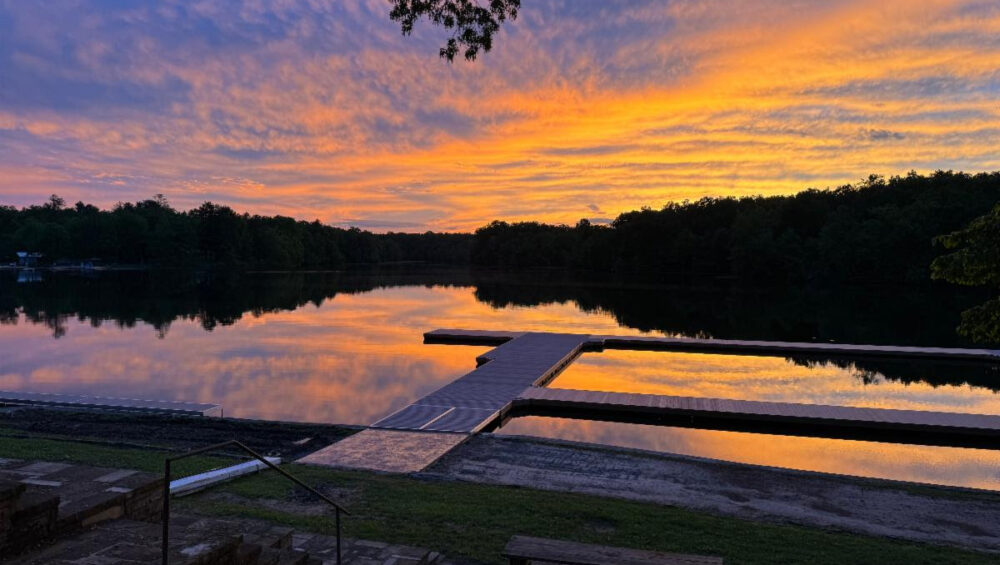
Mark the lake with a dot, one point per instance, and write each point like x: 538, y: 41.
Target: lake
x: 347, y: 348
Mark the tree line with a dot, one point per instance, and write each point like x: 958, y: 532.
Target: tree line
x: 152, y: 233
x: 878, y: 230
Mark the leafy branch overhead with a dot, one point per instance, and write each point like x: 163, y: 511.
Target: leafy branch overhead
x: 975, y: 257
x: 472, y: 25
x: 974, y: 260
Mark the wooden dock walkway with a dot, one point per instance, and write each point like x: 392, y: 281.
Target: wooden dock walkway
x: 475, y: 400
x: 109, y: 403
x: 727, y: 346
x: 510, y: 378
x: 511, y: 375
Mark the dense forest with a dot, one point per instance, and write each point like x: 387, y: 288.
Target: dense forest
x: 152, y: 233
x: 875, y: 231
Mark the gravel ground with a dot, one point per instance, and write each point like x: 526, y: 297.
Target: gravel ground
x: 961, y: 517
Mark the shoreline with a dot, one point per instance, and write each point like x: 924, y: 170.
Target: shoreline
x: 877, y: 482
x: 79, y: 424
x: 961, y: 517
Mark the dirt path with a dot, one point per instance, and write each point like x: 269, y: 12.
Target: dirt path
x: 931, y: 514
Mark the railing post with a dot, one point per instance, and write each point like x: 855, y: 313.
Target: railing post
x: 166, y: 490
x: 338, y: 535
x: 165, y: 542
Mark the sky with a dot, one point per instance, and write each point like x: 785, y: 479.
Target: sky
x: 584, y: 109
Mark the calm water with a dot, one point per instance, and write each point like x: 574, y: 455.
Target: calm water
x: 347, y: 348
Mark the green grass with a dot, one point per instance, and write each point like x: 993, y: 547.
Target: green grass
x: 103, y: 455
x: 475, y: 521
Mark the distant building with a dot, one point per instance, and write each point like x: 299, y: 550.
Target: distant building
x: 29, y: 276
x: 28, y: 258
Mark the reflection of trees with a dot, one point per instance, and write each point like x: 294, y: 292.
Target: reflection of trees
x: 934, y: 373
x: 918, y: 316
x: 159, y: 298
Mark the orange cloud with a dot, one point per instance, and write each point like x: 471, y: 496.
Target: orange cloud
x: 330, y: 114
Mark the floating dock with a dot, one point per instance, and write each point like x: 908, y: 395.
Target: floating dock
x: 813, y: 420
x: 471, y: 402
x: 726, y: 346
x: 510, y: 378
x: 109, y: 403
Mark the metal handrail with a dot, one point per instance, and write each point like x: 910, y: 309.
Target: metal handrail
x: 166, y: 490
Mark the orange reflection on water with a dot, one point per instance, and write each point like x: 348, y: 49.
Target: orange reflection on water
x: 351, y: 360
x: 974, y: 468
x: 358, y: 357
x: 774, y: 379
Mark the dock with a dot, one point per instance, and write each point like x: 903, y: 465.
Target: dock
x: 471, y: 402
x: 510, y: 381
x: 812, y: 420
x: 726, y: 346
x: 109, y: 403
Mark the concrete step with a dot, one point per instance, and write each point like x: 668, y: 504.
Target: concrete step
x: 86, y: 495
x: 248, y: 554
x: 10, y: 494
x: 276, y: 537
x: 204, y: 541
x: 129, y: 542
x: 274, y: 556
x: 362, y: 552
x: 33, y: 521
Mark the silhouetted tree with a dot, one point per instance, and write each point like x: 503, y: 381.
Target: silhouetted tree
x: 975, y: 261
x: 151, y: 232
x: 879, y: 230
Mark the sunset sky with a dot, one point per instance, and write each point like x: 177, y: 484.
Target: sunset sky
x: 584, y: 109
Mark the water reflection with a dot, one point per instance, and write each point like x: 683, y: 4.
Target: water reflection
x: 916, y: 315
x: 975, y: 468
x: 908, y: 385
x: 347, y: 348
x: 347, y: 362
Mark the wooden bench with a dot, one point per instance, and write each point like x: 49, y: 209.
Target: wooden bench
x: 522, y: 550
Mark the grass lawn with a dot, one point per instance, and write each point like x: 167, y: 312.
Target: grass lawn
x: 42, y: 449
x: 475, y: 521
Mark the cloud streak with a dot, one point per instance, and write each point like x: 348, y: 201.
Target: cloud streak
x: 322, y: 110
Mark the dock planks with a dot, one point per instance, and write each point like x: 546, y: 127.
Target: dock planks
x: 473, y: 401
x: 731, y: 346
